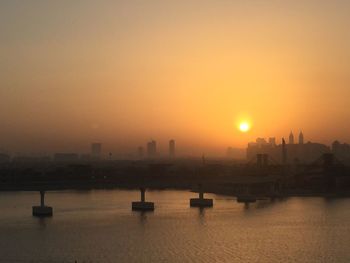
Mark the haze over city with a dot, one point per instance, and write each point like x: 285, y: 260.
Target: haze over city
x: 125, y: 72
x: 174, y: 131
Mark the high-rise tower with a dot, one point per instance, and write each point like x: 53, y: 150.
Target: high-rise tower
x: 172, y: 148
x: 152, y: 149
x: 301, y: 138
x: 140, y: 152
x: 96, y: 150
x: 291, y: 138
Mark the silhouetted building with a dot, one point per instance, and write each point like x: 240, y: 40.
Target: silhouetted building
x: 287, y: 153
x: 272, y: 141
x: 140, y: 152
x: 96, y: 150
x: 301, y: 138
x: 291, y: 138
x: 172, y: 148
x: 152, y: 149
x: 261, y: 141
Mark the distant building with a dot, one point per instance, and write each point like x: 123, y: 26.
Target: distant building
x: 261, y: 141
x: 272, y: 141
x: 301, y: 138
x: 172, y: 148
x: 66, y: 157
x: 291, y: 138
x: 140, y: 152
x: 287, y: 153
x: 152, y: 149
x: 96, y: 150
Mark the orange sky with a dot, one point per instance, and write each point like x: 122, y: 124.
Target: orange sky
x: 123, y: 72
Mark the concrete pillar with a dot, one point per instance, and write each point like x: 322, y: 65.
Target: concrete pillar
x: 201, y: 194
x: 42, y: 198
x: 143, y: 190
x: 201, y: 201
x: 42, y: 210
x: 142, y: 205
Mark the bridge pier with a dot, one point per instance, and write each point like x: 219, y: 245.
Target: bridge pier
x: 201, y: 201
x: 42, y: 210
x: 142, y: 205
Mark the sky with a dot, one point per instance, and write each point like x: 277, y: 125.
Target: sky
x: 74, y: 72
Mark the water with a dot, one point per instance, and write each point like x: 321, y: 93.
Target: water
x: 99, y: 226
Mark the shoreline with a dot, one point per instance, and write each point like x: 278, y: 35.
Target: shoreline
x: 213, y: 190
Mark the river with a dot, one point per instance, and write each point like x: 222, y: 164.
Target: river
x: 99, y: 226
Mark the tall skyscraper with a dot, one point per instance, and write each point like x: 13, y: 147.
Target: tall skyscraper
x: 172, y: 148
x: 291, y: 138
x: 301, y: 138
x: 96, y: 150
x: 152, y: 149
x: 140, y: 152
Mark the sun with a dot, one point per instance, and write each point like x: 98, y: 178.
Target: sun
x: 244, y: 126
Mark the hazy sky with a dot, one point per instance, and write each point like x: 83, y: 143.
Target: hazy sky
x: 123, y: 72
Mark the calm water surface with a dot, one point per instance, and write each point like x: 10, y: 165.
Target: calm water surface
x: 99, y: 226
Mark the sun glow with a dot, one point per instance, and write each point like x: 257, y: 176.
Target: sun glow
x: 244, y: 126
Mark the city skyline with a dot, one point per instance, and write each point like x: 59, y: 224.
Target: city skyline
x: 174, y: 131
x: 121, y: 72
x: 152, y: 149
